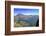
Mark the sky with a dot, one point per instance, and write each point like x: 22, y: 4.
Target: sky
x: 26, y: 11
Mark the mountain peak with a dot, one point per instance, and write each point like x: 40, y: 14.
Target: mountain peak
x: 19, y: 14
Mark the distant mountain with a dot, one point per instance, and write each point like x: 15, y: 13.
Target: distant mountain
x: 19, y: 14
x: 31, y: 19
x: 22, y: 16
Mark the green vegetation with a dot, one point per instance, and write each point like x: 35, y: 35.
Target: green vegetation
x: 25, y: 21
x: 22, y: 24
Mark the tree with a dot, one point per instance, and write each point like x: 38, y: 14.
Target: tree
x: 37, y: 23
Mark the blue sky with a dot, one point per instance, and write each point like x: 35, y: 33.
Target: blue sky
x: 26, y: 11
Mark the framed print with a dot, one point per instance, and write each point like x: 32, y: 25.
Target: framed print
x: 24, y: 17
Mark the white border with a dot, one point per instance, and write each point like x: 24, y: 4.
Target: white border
x: 25, y: 28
